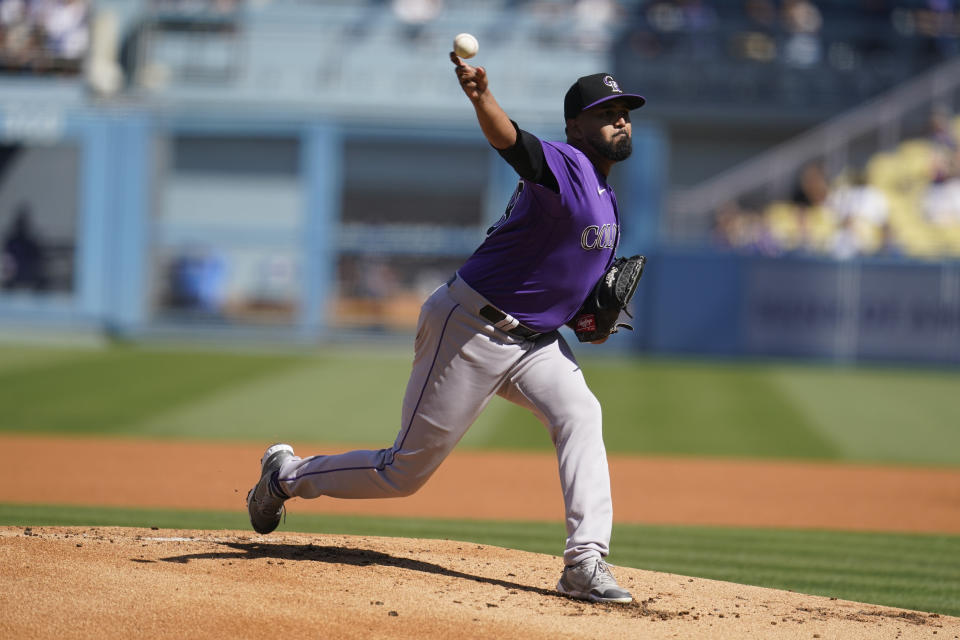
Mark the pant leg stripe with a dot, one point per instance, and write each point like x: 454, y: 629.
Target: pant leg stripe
x: 426, y: 381
x: 320, y: 473
x: 423, y: 390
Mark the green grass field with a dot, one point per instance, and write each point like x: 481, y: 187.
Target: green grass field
x: 905, y: 416
x: 758, y: 410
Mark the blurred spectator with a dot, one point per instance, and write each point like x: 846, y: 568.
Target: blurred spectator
x: 743, y: 230
x: 802, y: 21
x: 806, y: 54
x: 756, y: 41
x: 594, y: 19
x: 23, y: 264
x: 414, y: 14
x: 801, y: 16
x: 273, y: 285
x: 686, y: 27
x: 642, y: 39
x: 726, y: 220
x: 938, y: 22
x: 664, y: 21
x: 20, y: 44
x: 66, y: 28
x: 941, y: 129
x: 665, y: 16
x: 799, y: 228
x: 417, y: 11
x: 761, y: 14
x: 700, y: 24
x: 378, y: 281
x: 944, y: 139
x: 858, y: 201
x: 369, y: 285
x: 811, y: 188
x: 860, y: 211
x: 803, y: 224
x: 550, y: 16
x: 198, y: 281
x: 44, y: 36
x: 913, y: 215
x: 941, y: 201
x: 846, y: 243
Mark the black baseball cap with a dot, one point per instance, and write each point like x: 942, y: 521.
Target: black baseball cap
x: 589, y: 91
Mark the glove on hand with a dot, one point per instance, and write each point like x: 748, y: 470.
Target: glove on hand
x: 598, y: 315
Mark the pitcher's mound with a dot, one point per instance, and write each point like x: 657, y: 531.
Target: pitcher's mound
x: 108, y: 583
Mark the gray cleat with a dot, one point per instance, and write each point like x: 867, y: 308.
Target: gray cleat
x: 591, y: 580
x: 265, y: 500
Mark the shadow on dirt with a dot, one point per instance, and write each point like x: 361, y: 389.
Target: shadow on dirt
x: 345, y: 556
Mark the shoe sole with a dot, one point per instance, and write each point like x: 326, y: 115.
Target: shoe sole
x: 589, y: 597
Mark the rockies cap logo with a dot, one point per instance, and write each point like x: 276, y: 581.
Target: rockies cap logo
x: 610, y: 82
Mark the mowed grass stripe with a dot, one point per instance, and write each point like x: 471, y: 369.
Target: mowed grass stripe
x: 105, y: 391
x: 354, y: 395
x: 856, y: 566
x: 20, y: 358
x: 879, y: 414
x: 323, y: 399
x: 912, y: 571
x: 728, y: 410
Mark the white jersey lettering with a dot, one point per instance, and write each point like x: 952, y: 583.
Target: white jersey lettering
x: 599, y: 237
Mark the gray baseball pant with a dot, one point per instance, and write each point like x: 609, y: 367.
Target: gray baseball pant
x: 460, y: 362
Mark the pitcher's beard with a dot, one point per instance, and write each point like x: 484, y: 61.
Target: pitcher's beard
x: 617, y: 149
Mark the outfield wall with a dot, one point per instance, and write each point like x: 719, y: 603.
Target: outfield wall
x: 307, y: 229
x: 697, y: 302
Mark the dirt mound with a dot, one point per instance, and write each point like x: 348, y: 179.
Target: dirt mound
x: 122, y: 583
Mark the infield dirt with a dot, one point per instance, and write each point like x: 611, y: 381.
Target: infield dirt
x: 489, y: 485
x: 112, y: 583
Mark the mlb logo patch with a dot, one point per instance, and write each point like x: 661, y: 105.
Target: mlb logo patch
x: 586, y: 322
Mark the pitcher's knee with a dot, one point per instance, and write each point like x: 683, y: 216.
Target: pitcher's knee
x: 583, y: 413
x: 406, y: 473
x: 581, y: 421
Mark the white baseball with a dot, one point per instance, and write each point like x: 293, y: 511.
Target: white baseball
x: 465, y: 45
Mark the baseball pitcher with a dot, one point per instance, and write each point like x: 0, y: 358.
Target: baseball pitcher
x: 492, y: 330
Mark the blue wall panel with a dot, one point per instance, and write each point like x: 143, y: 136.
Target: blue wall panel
x: 725, y: 304
x: 129, y: 216
x: 323, y: 182
x: 93, y: 228
x: 640, y: 184
x: 693, y: 302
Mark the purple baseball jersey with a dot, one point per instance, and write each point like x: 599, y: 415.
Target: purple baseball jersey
x: 543, y: 257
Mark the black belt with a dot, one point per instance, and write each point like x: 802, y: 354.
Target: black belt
x: 494, y: 315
